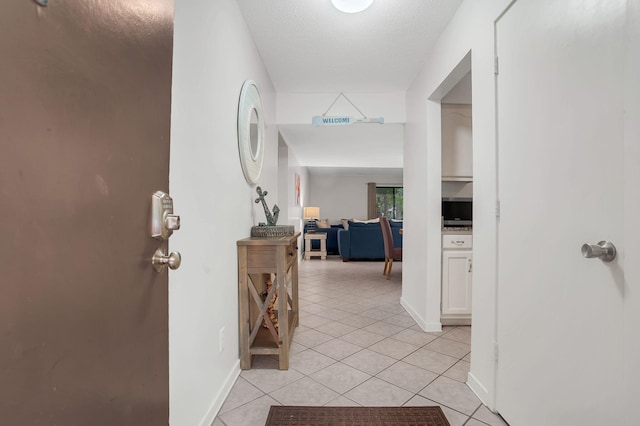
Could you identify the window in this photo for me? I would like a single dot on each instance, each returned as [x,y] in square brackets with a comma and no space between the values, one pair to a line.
[389,202]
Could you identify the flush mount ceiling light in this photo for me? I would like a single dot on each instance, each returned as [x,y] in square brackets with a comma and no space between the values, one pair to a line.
[351,6]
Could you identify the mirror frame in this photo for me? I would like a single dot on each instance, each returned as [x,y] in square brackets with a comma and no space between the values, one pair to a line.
[251,162]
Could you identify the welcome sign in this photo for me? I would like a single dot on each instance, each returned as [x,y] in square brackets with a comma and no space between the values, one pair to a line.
[321,120]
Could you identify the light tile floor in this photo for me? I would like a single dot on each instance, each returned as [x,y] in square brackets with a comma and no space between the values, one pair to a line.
[357,346]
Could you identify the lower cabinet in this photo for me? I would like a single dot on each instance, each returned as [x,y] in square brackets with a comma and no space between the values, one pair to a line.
[456,285]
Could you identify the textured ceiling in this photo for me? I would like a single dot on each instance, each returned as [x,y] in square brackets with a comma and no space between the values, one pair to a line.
[310,47]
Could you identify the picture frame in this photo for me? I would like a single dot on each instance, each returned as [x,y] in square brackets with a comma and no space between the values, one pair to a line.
[296,188]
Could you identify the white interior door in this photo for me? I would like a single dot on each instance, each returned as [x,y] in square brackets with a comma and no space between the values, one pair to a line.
[560,137]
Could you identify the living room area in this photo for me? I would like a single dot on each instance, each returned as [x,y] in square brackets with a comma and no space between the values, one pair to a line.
[353,200]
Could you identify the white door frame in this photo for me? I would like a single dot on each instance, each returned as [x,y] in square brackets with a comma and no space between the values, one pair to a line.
[434,196]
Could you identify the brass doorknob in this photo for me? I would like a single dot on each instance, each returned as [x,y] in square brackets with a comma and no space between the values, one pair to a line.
[160,260]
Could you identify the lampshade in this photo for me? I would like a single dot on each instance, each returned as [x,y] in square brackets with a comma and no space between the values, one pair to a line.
[311,212]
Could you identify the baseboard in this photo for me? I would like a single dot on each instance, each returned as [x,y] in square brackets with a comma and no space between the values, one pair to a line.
[425,326]
[429,327]
[407,307]
[217,402]
[433,327]
[455,320]
[481,392]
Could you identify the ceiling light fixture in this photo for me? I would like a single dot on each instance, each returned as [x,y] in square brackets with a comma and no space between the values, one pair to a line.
[351,6]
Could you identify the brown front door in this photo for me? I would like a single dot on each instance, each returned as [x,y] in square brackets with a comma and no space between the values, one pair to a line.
[85,97]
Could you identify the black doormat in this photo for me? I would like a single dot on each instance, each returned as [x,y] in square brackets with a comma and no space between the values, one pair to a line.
[283,415]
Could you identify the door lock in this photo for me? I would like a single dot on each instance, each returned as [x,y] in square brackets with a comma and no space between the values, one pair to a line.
[163,221]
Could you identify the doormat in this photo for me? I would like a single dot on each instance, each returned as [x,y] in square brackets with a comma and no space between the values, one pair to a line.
[283,415]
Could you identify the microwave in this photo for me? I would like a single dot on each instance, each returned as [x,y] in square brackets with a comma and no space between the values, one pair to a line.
[457,211]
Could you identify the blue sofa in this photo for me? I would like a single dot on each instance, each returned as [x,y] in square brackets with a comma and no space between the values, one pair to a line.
[332,237]
[364,240]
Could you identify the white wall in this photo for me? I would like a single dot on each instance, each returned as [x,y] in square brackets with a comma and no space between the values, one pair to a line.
[343,196]
[283,177]
[213,55]
[294,168]
[288,168]
[460,93]
[471,29]
[457,141]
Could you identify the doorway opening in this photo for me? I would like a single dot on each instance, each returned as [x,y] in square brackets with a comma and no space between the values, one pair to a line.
[450,152]
[457,204]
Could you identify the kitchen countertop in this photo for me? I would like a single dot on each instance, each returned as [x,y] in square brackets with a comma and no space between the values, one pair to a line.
[457,230]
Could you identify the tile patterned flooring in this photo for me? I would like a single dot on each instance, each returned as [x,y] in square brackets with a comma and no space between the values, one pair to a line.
[357,346]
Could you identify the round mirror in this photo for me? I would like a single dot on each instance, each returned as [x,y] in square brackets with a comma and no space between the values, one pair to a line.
[250,131]
[253,133]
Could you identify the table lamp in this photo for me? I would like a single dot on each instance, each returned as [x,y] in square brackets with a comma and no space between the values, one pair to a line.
[310,214]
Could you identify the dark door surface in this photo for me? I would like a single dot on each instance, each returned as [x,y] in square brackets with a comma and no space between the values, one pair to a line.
[85,97]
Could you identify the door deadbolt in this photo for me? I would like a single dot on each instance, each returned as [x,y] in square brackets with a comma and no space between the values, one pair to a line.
[163,221]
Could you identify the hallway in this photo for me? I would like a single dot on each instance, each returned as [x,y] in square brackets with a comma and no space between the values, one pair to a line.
[357,346]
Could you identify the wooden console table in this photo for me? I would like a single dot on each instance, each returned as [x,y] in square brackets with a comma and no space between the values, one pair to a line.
[262,261]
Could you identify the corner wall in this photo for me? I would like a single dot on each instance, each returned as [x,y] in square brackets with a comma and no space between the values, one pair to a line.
[471,30]
[213,55]
[290,208]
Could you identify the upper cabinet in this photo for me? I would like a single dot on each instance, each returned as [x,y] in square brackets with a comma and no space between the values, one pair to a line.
[457,152]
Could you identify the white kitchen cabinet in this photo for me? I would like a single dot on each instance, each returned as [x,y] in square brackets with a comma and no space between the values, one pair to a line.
[457,269]
[457,149]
